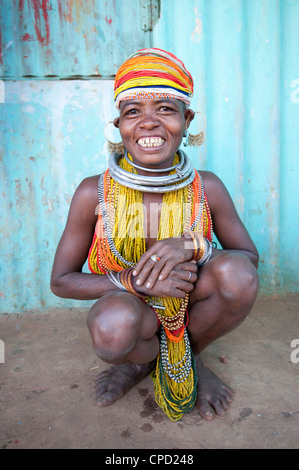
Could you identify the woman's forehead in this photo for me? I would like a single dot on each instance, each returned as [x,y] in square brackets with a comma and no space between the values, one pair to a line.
[152,102]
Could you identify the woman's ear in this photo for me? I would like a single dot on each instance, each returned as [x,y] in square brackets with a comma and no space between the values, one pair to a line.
[189,116]
[116,122]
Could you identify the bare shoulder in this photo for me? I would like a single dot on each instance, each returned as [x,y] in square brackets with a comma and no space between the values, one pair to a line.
[214,187]
[85,198]
[88,186]
[88,189]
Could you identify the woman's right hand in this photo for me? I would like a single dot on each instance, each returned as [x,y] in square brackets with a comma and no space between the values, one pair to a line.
[179,282]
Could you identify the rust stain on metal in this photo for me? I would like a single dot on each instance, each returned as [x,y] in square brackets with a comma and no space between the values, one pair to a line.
[76,10]
[27,37]
[41,19]
[19,194]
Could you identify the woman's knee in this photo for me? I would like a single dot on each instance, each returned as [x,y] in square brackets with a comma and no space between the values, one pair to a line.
[114,323]
[236,278]
[233,277]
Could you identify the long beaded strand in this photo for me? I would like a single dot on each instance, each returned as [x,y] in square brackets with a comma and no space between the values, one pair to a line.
[175,375]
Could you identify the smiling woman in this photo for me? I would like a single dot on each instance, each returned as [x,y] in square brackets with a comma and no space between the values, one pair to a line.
[163,291]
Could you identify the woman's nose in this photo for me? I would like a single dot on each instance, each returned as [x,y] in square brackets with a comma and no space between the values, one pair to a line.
[149,121]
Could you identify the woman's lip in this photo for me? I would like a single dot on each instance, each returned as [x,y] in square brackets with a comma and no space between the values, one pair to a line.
[151,137]
[150,142]
[151,148]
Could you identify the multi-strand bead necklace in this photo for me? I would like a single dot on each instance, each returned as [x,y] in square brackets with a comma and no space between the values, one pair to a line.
[118,245]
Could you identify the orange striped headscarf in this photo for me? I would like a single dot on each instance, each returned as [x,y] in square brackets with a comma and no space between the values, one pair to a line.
[153,73]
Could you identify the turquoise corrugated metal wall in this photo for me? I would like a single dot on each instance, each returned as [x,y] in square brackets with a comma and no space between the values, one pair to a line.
[51,129]
[68,38]
[244,57]
[51,139]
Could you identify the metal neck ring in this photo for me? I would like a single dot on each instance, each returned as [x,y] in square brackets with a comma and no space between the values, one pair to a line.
[151,170]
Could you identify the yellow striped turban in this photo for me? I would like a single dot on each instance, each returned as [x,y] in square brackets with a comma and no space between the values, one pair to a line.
[153,73]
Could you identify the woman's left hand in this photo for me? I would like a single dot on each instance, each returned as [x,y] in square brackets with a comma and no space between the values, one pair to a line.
[159,260]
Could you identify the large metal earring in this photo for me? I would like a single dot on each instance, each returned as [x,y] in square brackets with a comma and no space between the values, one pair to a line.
[195,140]
[117,147]
[185,138]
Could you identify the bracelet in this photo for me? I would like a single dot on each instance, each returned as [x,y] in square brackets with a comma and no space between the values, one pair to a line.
[202,247]
[198,244]
[125,278]
[115,279]
[207,253]
[197,248]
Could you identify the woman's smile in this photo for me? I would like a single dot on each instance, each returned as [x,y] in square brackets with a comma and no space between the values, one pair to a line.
[150,142]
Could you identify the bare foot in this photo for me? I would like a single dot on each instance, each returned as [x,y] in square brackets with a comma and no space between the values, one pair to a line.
[214,397]
[115,382]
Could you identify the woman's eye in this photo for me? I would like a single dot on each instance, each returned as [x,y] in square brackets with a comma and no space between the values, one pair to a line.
[131,111]
[166,109]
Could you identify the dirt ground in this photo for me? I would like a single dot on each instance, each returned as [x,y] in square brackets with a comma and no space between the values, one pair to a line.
[46,388]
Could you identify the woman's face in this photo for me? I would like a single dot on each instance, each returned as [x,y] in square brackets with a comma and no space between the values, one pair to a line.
[152,129]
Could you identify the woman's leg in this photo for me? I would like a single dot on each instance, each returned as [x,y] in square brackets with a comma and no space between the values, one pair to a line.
[123,331]
[222,298]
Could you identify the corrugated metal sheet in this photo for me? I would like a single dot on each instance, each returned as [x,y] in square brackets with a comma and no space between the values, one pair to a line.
[244,57]
[66,38]
[52,137]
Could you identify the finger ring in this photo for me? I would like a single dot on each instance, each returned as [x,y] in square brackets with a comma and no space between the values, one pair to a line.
[155,258]
[189,277]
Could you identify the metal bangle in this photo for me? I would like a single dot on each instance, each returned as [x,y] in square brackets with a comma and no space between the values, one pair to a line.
[207,253]
[115,280]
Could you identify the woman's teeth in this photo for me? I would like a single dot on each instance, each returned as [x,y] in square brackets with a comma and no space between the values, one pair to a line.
[150,141]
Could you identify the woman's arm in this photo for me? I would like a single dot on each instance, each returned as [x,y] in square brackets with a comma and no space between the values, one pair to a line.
[67,279]
[227,225]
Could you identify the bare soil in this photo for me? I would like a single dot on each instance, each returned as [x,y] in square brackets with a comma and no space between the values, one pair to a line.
[47,401]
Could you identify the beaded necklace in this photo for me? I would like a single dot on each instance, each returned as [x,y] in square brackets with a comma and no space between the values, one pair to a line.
[119,242]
